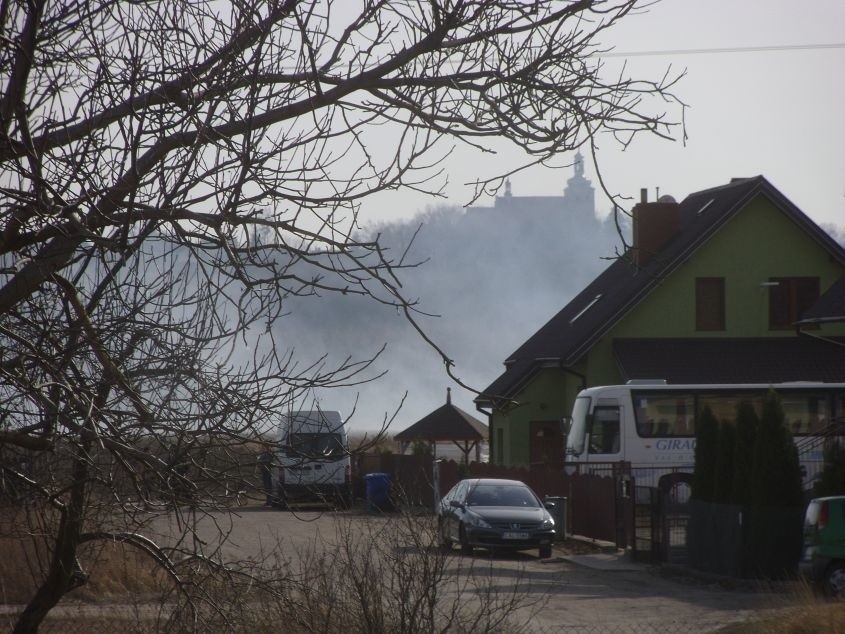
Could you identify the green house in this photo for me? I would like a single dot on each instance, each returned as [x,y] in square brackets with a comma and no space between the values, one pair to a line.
[711,290]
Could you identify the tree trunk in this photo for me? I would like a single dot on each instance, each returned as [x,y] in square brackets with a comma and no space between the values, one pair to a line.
[64,574]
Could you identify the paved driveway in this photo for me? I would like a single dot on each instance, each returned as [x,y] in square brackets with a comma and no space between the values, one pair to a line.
[592,594]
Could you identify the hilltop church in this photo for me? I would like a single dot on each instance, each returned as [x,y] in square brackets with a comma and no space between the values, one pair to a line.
[576,208]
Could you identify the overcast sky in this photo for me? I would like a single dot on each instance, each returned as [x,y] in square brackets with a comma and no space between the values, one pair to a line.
[778,112]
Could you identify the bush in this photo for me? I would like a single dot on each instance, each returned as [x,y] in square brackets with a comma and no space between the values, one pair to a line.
[773,537]
[724,472]
[372,575]
[776,474]
[747,423]
[706,452]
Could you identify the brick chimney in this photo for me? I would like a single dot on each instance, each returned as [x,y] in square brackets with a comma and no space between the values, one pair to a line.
[654,225]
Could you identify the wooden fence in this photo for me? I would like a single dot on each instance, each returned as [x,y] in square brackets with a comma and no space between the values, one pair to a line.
[592,507]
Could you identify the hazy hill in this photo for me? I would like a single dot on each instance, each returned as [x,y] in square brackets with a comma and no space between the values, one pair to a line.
[492,276]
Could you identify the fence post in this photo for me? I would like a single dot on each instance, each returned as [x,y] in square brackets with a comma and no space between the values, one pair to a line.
[435,478]
[622,485]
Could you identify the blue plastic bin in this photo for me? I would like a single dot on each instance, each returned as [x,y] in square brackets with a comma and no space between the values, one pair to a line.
[378,492]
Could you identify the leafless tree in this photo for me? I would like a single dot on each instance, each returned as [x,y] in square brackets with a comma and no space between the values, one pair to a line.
[172,172]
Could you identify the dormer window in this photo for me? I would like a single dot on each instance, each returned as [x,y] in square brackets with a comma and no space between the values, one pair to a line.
[586,308]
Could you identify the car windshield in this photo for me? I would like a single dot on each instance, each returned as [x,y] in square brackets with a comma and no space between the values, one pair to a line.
[316,446]
[501,495]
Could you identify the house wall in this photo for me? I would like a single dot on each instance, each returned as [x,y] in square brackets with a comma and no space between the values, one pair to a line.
[758,243]
[745,256]
[547,396]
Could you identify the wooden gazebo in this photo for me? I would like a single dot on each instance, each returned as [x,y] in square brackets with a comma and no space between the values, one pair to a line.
[447,423]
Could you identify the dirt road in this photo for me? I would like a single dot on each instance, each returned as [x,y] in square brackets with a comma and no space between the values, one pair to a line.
[600,596]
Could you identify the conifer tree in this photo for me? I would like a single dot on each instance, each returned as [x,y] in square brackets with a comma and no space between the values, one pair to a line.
[706,447]
[724,472]
[776,472]
[772,541]
[747,423]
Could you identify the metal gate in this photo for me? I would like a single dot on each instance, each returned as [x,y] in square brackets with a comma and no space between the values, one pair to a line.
[674,491]
[647,542]
[660,518]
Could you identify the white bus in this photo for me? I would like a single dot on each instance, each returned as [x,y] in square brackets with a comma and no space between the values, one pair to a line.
[652,424]
[314,461]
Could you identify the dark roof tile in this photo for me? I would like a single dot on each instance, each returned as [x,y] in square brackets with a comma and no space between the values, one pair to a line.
[829,307]
[447,422]
[731,360]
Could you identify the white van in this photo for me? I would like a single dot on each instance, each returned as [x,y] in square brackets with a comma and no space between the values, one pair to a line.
[314,462]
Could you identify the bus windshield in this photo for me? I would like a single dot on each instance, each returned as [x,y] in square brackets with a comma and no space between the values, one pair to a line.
[578,430]
[317,446]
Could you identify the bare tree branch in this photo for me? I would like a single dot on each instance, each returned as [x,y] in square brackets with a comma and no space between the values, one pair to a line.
[174,173]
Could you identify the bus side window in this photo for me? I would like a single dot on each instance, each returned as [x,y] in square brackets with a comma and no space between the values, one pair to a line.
[604,431]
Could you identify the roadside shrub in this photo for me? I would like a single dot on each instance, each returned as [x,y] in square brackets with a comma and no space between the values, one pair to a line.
[773,540]
[747,423]
[706,452]
[776,473]
[724,472]
[115,570]
[376,574]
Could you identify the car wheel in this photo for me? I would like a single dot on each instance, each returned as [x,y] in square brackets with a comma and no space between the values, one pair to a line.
[834,581]
[545,551]
[466,547]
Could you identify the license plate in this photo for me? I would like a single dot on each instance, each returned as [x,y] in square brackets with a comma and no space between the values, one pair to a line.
[515,535]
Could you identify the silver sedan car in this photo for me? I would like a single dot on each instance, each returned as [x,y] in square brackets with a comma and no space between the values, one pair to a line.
[496,515]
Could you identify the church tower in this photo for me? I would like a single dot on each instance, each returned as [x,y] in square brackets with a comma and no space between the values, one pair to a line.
[579,197]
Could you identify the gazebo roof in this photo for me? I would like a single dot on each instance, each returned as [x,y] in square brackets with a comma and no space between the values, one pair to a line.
[447,422]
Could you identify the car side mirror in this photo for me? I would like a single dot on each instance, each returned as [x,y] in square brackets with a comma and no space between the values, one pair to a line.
[455,504]
[550,505]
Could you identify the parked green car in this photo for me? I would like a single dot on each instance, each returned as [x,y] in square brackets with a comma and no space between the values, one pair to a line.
[823,561]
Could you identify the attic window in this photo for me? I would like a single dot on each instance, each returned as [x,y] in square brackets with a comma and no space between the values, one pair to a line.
[706,205]
[586,308]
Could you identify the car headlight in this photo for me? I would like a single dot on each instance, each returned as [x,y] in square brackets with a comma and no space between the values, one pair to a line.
[547,523]
[476,520]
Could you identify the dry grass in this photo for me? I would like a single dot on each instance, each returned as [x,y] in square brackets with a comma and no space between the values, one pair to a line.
[808,619]
[809,613]
[116,571]
[86,623]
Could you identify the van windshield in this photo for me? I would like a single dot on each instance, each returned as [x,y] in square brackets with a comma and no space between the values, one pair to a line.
[578,430]
[316,446]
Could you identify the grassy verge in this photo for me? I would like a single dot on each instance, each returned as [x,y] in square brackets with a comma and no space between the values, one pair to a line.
[809,614]
[117,572]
